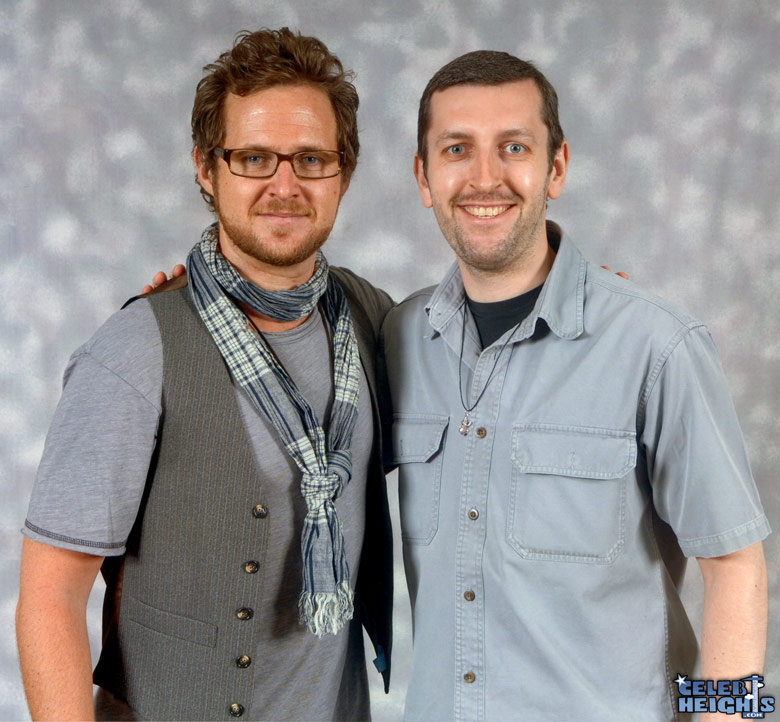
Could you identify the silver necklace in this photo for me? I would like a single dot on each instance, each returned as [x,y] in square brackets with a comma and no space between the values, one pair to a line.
[466,424]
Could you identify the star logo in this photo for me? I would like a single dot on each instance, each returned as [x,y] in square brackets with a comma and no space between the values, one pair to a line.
[683,684]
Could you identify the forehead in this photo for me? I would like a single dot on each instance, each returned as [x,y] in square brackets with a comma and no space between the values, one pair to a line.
[478,109]
[286,116]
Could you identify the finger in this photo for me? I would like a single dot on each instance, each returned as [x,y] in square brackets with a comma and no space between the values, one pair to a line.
[178,270]
[606,268]
[146,289]
[159,278]
[622,275]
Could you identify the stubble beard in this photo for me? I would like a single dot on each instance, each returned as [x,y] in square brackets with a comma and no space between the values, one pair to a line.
[511,251]
[271,252]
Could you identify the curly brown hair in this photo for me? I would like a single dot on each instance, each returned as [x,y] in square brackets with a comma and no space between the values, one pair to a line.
[267,58]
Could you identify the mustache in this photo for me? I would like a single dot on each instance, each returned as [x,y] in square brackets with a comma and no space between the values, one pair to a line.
[277,206]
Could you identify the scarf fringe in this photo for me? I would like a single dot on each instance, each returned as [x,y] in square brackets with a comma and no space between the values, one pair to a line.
[326,612]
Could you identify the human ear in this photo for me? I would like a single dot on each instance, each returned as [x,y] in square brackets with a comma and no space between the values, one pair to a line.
[558,172]
[204,173]
[344,186]
[422,181]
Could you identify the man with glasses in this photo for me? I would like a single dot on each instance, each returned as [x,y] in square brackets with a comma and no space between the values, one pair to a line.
[216,451]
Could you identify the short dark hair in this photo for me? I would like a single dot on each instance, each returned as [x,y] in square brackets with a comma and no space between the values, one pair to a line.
[490,67]
[264,59]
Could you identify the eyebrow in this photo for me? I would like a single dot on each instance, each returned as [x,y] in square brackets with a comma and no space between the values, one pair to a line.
[455,134]
[301,149]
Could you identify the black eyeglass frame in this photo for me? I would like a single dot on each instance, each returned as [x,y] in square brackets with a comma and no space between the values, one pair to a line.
[225,154]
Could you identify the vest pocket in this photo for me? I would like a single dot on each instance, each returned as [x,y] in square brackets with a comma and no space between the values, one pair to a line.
[417,445]
[168,623]
[568,492]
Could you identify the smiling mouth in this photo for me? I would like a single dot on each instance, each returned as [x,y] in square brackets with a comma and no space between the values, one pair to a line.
[486,211]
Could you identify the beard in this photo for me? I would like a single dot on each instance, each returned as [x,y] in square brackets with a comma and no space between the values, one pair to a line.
[271,248]
[518,245]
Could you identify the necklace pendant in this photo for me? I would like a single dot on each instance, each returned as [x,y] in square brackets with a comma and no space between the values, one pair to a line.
[465,425]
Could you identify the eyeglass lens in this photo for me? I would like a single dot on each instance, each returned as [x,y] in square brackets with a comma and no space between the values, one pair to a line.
[307,164]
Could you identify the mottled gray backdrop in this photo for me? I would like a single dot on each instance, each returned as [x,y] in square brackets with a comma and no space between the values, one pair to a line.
[670,108]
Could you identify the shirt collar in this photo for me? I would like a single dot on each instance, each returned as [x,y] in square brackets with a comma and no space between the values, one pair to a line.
[560,302]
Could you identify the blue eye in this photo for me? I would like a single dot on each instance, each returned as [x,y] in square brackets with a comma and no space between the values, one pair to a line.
[250,158]
[310,159]
[457,149]
[514,148]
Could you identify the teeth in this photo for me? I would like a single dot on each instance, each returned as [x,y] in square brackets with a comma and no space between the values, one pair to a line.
[484,211]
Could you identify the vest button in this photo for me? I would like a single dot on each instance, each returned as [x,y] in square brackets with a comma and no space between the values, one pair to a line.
[251,567]
[244,613]
[243,661]
[469,677]
[469,596]
[236,709]
[482,432]
[473,514]
[260,512]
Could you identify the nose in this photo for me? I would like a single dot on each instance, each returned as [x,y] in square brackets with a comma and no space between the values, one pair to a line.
[486,171]
[284,183]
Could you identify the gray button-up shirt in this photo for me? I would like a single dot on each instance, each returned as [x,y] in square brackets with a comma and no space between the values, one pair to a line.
[544,548]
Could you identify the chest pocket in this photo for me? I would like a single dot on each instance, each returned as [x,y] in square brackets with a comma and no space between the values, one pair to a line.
[418,440]
[568,492]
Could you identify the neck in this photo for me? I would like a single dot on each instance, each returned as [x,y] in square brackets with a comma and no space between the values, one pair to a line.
[266,324]
[267,275]
[271,278]
[491,286]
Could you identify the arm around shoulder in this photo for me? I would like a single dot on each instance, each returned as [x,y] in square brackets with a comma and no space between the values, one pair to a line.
[51,630]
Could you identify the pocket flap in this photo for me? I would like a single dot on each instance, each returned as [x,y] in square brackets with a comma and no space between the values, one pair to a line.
[579,451]
[418,437]
[170,624]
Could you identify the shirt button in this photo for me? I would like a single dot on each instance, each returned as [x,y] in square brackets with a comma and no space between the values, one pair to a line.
[236,709]
[469,596]
[473,514]
[469,677]
[259,512]
[251,567]
[243,661]
[482,432]
[244,613]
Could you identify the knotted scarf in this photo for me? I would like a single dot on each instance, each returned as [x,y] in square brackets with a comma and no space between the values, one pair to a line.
[326,601]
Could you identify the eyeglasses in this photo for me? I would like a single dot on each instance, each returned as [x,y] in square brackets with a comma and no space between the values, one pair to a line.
[250,163]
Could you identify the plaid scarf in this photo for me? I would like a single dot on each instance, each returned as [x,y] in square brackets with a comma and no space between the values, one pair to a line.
[326,601]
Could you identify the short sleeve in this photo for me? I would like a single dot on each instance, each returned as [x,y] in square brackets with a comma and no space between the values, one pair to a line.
[697,463]
[101,440]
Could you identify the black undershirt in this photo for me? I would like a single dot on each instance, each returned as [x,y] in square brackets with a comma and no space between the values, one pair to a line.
[496,318]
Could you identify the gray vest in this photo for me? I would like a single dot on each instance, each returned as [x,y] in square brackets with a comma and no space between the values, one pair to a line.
[201,518]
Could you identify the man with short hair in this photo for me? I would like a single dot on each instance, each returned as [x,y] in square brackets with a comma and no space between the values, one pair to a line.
[216,451]
[564,441]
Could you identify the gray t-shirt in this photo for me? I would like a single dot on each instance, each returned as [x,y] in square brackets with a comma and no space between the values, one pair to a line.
[94,468]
